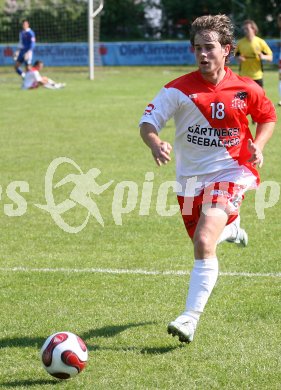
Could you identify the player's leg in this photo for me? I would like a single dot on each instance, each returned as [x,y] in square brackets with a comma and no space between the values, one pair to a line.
[18,68]
[205,271]
[51,84]
[18,63]
[220,206]
[233,233]
[48,83]
[28,60]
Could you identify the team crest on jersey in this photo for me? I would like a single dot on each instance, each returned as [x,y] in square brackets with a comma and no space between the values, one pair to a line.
[238,102]
[241,95]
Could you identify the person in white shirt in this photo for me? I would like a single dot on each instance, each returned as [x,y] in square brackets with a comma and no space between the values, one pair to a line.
[216,154]
[33,79]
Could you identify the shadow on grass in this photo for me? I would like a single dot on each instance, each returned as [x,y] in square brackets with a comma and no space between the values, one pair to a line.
[28,382]
[105,332]
[21,342]
[143,351]
[113,330]
[158,350]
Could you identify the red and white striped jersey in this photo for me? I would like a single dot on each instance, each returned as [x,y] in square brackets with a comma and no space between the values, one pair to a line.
[212,129]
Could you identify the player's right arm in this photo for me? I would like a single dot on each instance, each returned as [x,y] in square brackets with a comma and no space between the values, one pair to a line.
[155,116]
[160,149]
[238,54]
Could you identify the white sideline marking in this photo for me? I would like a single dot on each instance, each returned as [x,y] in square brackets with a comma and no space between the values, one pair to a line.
[134,272]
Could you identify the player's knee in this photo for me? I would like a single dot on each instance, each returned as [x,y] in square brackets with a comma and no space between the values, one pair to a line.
[203,245]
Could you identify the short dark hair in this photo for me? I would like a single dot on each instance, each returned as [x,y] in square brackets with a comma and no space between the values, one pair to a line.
[38,62]
[221,24]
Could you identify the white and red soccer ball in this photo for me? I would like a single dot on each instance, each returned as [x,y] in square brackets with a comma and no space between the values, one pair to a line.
[64,355]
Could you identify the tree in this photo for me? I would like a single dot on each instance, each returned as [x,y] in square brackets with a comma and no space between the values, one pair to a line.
[52,20]
[122,19]
[179,14]
[263,13]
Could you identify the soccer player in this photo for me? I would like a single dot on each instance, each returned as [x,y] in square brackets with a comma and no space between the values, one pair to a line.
[216,154]
[251,51]
[33,79]
[26,46]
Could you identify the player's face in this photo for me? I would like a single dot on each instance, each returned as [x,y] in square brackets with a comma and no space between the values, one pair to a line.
[210,54]
[249,30]
[25,25]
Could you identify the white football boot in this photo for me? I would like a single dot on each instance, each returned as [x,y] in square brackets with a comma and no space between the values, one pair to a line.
[183,327]
[241,235]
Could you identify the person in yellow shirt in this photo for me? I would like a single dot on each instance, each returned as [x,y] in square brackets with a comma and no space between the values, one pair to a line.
[251,51]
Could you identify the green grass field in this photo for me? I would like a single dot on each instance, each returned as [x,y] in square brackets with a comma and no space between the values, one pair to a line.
[52,280]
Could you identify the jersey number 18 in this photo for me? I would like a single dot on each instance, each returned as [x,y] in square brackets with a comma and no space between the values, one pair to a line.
[217,110]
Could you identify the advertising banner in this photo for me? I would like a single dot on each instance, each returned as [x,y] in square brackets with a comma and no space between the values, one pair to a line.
[116,54]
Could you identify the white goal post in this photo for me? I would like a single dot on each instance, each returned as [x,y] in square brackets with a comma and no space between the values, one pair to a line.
[91,15]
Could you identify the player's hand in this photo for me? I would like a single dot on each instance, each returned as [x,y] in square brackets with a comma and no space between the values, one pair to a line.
[242,58]
[16,54]
[262,56]
[257,156]
[161,152]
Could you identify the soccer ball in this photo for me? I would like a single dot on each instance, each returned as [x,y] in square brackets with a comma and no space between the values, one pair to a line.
[64,355]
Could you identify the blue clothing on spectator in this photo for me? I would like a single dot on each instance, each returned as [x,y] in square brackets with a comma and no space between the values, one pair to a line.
[27,42]
[27,39]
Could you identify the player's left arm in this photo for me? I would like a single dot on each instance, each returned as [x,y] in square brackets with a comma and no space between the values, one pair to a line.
[30,47]
[264,132]
[266,53]
[32,40]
